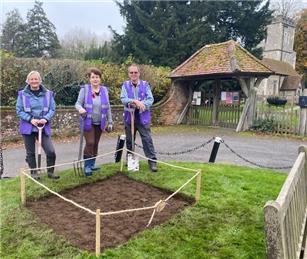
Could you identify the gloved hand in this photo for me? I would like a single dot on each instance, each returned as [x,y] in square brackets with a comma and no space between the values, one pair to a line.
[109,127]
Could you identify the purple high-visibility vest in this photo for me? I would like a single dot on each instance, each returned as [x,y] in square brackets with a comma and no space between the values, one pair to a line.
[25,127]
[88,105]
[145,115]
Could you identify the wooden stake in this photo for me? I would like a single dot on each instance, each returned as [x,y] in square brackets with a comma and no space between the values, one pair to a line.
[97,232]
[198,184]
[122,162]
[22,187]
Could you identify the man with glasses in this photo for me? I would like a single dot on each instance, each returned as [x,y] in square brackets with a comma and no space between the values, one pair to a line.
[136,94]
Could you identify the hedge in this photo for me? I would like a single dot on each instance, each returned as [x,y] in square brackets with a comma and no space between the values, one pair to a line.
[64,77]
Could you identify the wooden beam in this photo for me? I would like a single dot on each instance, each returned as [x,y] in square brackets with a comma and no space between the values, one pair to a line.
[216,99]
[243,85]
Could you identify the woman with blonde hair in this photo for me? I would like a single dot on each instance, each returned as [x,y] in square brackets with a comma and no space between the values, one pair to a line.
[35,108]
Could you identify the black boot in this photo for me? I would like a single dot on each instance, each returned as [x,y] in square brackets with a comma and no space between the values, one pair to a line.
[51,175]
[152,166]
[31,160]
[35,175]
[50,171]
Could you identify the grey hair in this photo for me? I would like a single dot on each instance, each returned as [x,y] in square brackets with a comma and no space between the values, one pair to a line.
[31,73]
[134,65]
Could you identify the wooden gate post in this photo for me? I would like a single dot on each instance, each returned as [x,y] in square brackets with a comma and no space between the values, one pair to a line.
[273,230]
[303,118]
[216,100]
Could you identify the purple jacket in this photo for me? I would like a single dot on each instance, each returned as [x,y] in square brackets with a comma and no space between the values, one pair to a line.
[29,106]
[145,116]
[88,106]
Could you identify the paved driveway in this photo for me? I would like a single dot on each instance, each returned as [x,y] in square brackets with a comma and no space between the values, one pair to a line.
[264,150]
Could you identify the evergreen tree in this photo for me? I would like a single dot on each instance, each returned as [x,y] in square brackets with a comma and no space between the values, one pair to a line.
[167,32]
[12,32]
[40,38]
[101,52]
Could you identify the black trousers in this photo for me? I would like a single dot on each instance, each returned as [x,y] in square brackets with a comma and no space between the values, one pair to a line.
[145,134]
[29,141]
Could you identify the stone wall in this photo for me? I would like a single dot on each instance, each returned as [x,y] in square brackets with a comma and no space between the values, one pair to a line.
[66,120]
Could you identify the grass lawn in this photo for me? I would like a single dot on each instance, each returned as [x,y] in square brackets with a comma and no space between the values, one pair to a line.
[226,223]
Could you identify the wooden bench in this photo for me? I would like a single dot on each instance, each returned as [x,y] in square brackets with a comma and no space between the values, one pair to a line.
[285,218]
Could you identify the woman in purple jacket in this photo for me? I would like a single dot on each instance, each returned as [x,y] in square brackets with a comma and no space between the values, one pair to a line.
[35,106]
[94,108]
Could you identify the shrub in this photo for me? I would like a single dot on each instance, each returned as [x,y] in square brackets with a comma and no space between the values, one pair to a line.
[64,77]
[264,125]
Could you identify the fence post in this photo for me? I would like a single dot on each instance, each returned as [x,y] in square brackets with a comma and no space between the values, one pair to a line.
[273,231]
[303,118]
[98,232]
[304,149]
[22,187]
[303,121]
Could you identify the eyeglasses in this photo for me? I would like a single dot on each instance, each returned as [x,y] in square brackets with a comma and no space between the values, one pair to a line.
[133,72]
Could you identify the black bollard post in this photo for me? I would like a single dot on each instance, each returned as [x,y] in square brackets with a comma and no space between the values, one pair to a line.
[215,149]
[120,144]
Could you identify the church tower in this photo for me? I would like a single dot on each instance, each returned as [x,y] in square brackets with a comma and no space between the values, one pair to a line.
[280,40]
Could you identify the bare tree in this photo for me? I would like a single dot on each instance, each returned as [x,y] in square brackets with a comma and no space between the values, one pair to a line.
[78,41]
[287,8]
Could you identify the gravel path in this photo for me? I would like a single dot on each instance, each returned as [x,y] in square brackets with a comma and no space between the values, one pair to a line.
[264,150]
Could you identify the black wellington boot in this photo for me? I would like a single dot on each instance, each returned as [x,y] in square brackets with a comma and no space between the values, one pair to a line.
[50,171]
[31,160]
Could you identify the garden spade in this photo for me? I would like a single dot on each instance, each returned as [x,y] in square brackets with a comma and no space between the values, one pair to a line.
[133,160]
[39,148]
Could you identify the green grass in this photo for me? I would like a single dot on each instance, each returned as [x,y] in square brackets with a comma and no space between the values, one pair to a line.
[226,223]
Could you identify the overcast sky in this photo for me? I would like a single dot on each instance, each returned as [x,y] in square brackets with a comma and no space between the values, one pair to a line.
[93,15]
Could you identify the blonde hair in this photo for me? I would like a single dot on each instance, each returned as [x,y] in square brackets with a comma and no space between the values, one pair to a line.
[31,73]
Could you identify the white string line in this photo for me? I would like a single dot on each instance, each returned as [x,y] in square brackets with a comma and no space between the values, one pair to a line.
[127,210]
[76,161]
[169,197]
[153,213]
[151,218]
[155,206]
[158,161]
[60,196]
[120,211]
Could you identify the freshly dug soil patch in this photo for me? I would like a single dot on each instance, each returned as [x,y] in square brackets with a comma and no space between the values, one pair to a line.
[115,193]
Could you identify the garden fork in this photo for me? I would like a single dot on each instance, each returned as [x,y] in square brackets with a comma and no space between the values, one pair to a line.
[78,165]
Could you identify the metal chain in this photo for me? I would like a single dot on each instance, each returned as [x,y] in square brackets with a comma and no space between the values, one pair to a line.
[253,163]
[181,152]
[1,162]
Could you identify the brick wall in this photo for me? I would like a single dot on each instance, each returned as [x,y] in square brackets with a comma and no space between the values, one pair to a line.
[174,105]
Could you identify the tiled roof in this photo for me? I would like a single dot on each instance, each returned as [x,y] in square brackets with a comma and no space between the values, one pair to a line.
[291,83]
[280,67]
[223,58]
